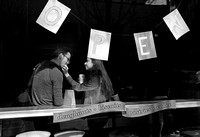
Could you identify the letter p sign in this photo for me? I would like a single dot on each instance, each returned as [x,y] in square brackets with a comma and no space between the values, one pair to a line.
[99,44]
[145,45]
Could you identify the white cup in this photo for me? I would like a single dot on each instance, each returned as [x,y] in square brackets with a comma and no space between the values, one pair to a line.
[81,78]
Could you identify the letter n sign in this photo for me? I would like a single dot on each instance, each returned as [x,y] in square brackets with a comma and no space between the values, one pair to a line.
[145,45]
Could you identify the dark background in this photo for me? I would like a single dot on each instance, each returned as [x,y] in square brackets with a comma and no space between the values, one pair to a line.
[24,43]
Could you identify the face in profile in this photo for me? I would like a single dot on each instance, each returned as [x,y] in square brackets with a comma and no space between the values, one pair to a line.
[88,64]
[65,59]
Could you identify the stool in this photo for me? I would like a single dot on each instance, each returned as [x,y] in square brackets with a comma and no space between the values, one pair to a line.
[34,134]
[73,133]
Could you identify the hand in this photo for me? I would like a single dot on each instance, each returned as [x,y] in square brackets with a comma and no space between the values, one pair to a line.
[65,69]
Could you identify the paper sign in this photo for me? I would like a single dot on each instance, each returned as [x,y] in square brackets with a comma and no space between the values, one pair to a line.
[112,106]
[53,15]
[145,45]
[133,111]
[99,44]
[176,24]
[156,2]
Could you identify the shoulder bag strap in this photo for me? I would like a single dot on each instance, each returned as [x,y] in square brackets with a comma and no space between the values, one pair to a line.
[33,73]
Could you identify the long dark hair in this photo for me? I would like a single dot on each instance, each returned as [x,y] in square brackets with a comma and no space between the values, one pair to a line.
[99,70]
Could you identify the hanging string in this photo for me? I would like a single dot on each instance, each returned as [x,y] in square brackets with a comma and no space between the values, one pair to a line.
[157,25]
[80,19]
[124,34]
[91,27]
[179,4]
[162,20]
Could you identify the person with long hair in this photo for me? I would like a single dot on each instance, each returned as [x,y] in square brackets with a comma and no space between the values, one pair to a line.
[98,88]
[97,84]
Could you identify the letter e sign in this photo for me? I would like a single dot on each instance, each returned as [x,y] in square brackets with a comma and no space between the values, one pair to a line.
[145,45]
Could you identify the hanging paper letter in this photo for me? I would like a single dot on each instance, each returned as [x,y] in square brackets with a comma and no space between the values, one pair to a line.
[53,15]
[176,24]
[145,45]
[156,2]
[99,44]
